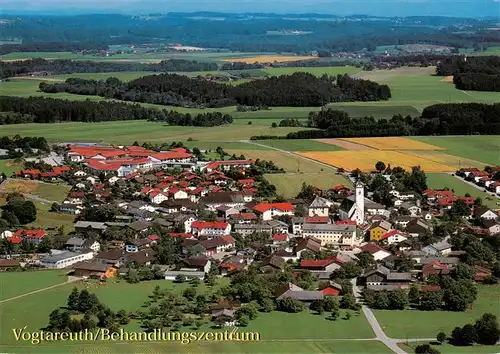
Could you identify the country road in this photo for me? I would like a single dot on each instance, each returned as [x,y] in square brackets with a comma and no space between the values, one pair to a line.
[289,153]
[475,186]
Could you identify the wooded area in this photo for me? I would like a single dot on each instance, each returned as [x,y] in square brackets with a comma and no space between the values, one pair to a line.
[48,110]
[63,66]
[297,90]
[472,73]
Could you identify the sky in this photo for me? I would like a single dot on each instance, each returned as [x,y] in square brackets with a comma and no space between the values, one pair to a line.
[456,8]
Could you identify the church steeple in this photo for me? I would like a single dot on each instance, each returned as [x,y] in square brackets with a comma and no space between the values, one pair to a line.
[360,202]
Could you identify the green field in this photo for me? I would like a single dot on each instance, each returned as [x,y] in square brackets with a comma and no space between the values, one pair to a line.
[18,283]
[427,324]
[278,331]
[47,219]
[442,180]
[299,145]
[289,185]
[446,348]
[9,166]
[319,71]
[475,147]
[126,132]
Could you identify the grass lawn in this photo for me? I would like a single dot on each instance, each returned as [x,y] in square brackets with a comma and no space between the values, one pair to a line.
[427,324]
[126,132]
[442,180]
[18,283]
[9,166]
[212,145]
[300,145]
[289,185]
[451,349]
[51,220]
[289,162]
[50,191]
[484,148]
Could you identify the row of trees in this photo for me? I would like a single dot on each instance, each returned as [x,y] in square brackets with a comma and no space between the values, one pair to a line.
[51,47]
[298,89]
[439,119]
[25,143]
[65,66]
[48,110]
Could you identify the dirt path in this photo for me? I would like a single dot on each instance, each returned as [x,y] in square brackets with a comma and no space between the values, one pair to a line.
[70,280]
[290,153]
[344,144]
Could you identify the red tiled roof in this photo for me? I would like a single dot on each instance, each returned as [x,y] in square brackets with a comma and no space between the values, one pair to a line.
[200,225]
[280,237]
[183,235]
[330,291]
[153,237]
[30,233]
[392,233]
[371,248]
[31,172]
[113,153]
[61,169]
[243,216]
[430,288]
[345,222]
[16,240]
[246,181]
[338,187]
[171,155]
[262,207]
[436,193]
[316,263]
[317,219]
[50,174]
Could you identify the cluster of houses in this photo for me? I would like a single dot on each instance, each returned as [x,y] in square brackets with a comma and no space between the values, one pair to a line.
[483,179]
[347,222]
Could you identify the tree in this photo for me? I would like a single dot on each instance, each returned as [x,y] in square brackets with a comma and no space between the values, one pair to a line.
[274,125]
[463,271]
[348,270]
[54,320]
[267,305]
[459,209]
[487,329]
[290,305]
[468,334]
[330,303]
[335,313]
[180,278]
[441,337]
[73,299]
[414,295]
[431,300]
[347,315]
[381,300]
[380,166]
[189,293]
[243,321]
[398,299]
[426,349]
[348,301]
[365,259]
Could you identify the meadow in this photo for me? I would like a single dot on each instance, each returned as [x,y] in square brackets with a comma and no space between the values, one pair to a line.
[49,220]
[298,145]
[446,348]
[484,148]
[9,166]
[444,180]
[50,191]
[278,331]
[427,324]
[18,283]
[288,185]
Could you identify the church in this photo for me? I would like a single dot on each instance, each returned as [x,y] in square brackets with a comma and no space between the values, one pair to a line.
[356,207]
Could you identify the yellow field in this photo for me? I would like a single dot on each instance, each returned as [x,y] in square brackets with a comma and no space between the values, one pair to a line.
[366,160]
[269,59]
[446,159]
[393,143]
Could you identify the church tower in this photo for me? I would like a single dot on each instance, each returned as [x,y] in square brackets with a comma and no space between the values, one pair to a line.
[360,203]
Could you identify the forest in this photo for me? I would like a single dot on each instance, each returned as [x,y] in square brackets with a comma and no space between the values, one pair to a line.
[51,47]
[472,73]
[48,110]
[439,119]
[245,33]
[64,66]
[297,90]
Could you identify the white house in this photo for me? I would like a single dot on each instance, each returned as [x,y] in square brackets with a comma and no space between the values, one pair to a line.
[75,244]
[270,210]
[332,234]
[64,259]
[210,229]
[377,252]
[177,193]
[319,207]
[157,197]
[394,236]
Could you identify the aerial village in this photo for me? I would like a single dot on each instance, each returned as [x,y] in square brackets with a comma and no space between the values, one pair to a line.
[186,218]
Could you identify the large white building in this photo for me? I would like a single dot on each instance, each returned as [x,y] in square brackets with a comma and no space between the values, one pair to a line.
[332,234]
[64,259]
[354,209]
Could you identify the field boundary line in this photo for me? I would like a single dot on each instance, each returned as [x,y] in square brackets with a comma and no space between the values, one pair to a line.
[39,290]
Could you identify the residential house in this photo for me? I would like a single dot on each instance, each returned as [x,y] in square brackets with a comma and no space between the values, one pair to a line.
[481,273]
[210,229]
[379,229]
[440,248]
[434,268]
[272,264]
[248,229]
[268,211]
[394,236]
[93,270]
[413,209]
[280,239]
[186,273]
[82,226]
[319,207]
[243,218]
[482,212]
[34,236]
[213,246]
[292,291]
[325,266]
[377,252]
[417,227]
[198,263]
[307,244]
[157,197]
[77,243]
[332,289]
[113,257]
[382,275]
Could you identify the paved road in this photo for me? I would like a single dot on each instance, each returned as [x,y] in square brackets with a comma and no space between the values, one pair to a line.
[288,152]
[477,187]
